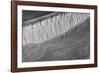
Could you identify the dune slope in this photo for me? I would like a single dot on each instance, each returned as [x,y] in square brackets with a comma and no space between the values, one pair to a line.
[73,45]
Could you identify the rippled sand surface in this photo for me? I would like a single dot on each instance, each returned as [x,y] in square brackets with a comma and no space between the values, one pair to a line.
[73,45]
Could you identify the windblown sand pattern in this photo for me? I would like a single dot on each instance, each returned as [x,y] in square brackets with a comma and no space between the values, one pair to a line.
[56,36]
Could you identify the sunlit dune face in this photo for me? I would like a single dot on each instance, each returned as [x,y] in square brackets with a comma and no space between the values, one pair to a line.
[52,25]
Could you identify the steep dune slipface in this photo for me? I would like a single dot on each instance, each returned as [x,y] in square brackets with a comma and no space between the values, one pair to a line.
[72,45]
[52,25]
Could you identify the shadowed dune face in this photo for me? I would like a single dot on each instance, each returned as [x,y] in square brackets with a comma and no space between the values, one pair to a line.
[72,45]
[28,15]
[51,25]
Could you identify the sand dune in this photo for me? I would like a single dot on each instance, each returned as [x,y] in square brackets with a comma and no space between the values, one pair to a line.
[51,25]
[73,45]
